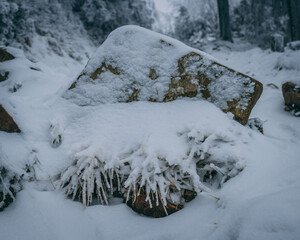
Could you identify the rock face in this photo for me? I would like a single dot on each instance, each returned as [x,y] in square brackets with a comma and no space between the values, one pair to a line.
[139,204]
[4,76]
[230,90]
[7,123]
[291,95]
[157,209]
[4,56]
[135,64]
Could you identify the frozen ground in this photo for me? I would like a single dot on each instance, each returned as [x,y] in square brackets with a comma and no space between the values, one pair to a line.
[262,202]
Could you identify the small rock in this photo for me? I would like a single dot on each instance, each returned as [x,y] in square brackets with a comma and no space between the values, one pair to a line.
[291,95]
[294,45]
[189,195]
[56,134]
[10,184]
[7,123]
[5,56]
[256,124]
[140,205]
[4,76]
[15,87]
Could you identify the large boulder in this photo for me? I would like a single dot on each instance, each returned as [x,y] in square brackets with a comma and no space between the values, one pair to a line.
[7,123]
[291,95]
[135,64]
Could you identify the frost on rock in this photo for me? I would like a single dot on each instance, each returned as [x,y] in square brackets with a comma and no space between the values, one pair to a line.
[56,133]
[137,64]
[10,184]
[291,95]
[149,182]
[15,69]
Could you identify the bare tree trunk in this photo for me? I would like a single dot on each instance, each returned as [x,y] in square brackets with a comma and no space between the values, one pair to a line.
[224,20]
[294,14]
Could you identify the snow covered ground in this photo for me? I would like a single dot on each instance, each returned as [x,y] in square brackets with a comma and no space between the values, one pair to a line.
[261,202]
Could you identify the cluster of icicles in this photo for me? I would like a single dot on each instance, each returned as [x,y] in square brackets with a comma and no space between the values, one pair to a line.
[91,178]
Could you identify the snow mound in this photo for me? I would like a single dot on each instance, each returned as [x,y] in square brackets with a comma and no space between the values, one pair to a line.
[137,64]
[153,147]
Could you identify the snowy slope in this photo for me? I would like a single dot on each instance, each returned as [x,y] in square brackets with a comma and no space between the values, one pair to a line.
[261,202]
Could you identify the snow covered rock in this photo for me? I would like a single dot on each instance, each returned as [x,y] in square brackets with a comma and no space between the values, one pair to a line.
[4,56]
[277,43]
[256,124]
[56,133]
[151,155]
[7,123]
[141,205]
[9,186]
[291,95]
[16,68]
[295,45]
[135,64]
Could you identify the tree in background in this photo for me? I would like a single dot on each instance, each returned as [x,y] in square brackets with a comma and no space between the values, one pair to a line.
[100,17]
[195,21]
[224,20]
[257,21]
[294,14]
[64,26]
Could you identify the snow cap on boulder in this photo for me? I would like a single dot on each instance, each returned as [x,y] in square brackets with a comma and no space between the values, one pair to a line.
[137,64]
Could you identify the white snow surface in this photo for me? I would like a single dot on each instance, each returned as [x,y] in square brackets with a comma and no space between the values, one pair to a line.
[261,202]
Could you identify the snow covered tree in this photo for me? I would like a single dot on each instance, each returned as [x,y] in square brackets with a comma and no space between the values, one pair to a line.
[194,21]
[75,21]
[100,17]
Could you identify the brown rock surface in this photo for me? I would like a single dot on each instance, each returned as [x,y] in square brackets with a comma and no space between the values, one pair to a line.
[191,84]
[7,123]
[4,76]
[186,87]
[159,69]
[140,205]
[5,56]
[291,93]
